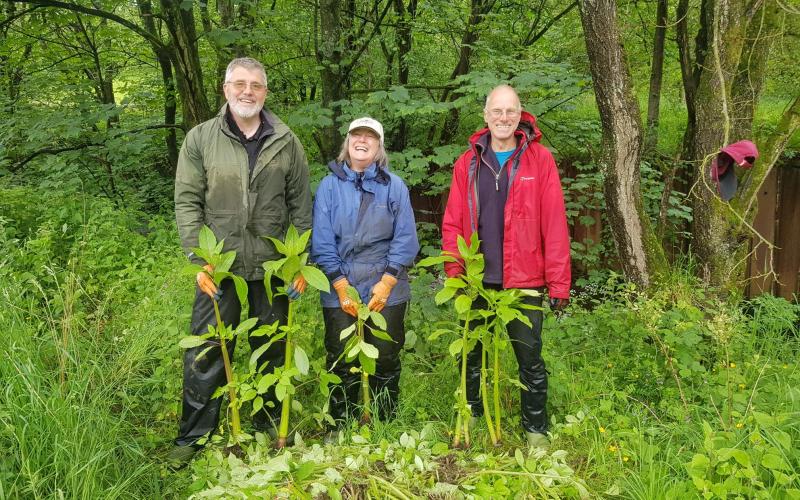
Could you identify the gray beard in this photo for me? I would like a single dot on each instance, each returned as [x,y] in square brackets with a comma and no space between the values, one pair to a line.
[243,111]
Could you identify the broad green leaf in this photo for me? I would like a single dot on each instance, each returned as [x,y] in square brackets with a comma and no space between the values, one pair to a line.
[347,331]
[265,330]
[353,294]
[316,278]
[241,289]
[225,261]
[438,333]
[363,312]
[279,245]
[454,283]
[253,364]
[265,382]
[455,347]
[303,241]
[369,349]
[367,363]
[280,391]
[203,352]
[353,352]
[774,462]
[463,248]
[435,260]
[378,319]
[382,335]
[301,360]
[290,268]
[246,325]
[463,304]
[258,403]
[191,341]
[444,295]
[207,240]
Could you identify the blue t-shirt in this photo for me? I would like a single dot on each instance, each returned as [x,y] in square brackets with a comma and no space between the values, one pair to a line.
[502,157]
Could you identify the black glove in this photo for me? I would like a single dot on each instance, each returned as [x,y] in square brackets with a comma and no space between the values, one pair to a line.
[558,305]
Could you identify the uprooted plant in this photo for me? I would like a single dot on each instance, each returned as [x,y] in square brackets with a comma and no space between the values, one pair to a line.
[502,307]
[293,263]
[218,336]
[358,347]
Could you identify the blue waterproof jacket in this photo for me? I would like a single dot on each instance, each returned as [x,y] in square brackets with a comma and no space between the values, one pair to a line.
[363,227]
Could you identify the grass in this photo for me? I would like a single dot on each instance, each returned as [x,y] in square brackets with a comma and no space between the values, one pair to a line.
[109,310]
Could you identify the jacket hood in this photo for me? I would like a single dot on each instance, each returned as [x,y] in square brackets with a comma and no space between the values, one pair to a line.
[526,130]
[338,170]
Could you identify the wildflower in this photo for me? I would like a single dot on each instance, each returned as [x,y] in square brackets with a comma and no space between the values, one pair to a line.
[612,448]
[733,365]
[625,458]
[610,365]
[602,430]
[739,425]
[741,386]
[785,366]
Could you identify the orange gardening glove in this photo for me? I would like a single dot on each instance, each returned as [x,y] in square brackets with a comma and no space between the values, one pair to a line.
[298,286]
[380,292]
[347,303]
[206,284]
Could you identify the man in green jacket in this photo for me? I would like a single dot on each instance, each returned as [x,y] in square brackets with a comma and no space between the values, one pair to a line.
[245,175]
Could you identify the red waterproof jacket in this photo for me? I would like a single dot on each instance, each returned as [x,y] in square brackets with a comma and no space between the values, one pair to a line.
[536,240]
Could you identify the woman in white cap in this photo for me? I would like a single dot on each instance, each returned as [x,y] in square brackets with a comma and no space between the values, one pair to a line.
[364,235]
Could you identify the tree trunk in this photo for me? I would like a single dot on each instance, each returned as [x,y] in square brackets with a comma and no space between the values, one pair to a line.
[170,101]
[330,58]
[478,11]
[656,72]
[640,254]
[405,15]
[719,238]
[186,59]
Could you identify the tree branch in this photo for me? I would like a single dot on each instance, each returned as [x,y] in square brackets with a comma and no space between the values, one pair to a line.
[96,12]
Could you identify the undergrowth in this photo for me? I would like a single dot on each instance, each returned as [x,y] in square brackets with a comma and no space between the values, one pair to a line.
[671,394]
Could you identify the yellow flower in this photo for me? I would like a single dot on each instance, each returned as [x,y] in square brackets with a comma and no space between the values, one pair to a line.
[612,448]
[625,459]
[741,386]
[733,365]
[610,365]
[785,366]
[739,425]
[602,429]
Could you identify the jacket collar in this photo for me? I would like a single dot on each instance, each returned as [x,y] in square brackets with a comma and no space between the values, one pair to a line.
[373,172]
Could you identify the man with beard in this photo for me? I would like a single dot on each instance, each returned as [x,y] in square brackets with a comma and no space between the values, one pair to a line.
[243,174]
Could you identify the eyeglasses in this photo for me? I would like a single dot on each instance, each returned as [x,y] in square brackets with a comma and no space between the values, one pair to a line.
[497,113]
[241,85]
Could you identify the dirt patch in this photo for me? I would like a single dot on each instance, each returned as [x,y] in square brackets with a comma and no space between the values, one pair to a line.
[449,471]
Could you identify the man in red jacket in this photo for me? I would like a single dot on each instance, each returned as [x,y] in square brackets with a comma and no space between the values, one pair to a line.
[506,188]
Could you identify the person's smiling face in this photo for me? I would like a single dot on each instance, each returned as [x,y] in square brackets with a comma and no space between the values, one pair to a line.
[245,92]
[363,145]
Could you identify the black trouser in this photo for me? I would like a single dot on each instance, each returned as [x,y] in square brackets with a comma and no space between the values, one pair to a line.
[527,344]
[384,384]
[202,377]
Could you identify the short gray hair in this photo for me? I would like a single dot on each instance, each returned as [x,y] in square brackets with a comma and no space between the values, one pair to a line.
[247,63]
[503,86]
[381,157]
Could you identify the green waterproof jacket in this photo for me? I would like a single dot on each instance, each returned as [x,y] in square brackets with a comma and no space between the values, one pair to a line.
[213,187]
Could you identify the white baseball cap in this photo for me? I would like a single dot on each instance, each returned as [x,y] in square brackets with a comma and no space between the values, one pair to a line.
[367,122]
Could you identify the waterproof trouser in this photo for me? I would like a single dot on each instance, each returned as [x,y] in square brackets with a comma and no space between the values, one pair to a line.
[527,344]
[202,376]
[345,398]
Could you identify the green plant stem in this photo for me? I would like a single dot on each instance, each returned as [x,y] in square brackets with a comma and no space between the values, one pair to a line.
[496,375]
[463,405]
[236,425]
[366,414]
[283,429]
[485,396]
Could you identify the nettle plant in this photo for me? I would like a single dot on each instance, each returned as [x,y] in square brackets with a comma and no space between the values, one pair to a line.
[220,334]
[502,307]
[296,364]
[358,348]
